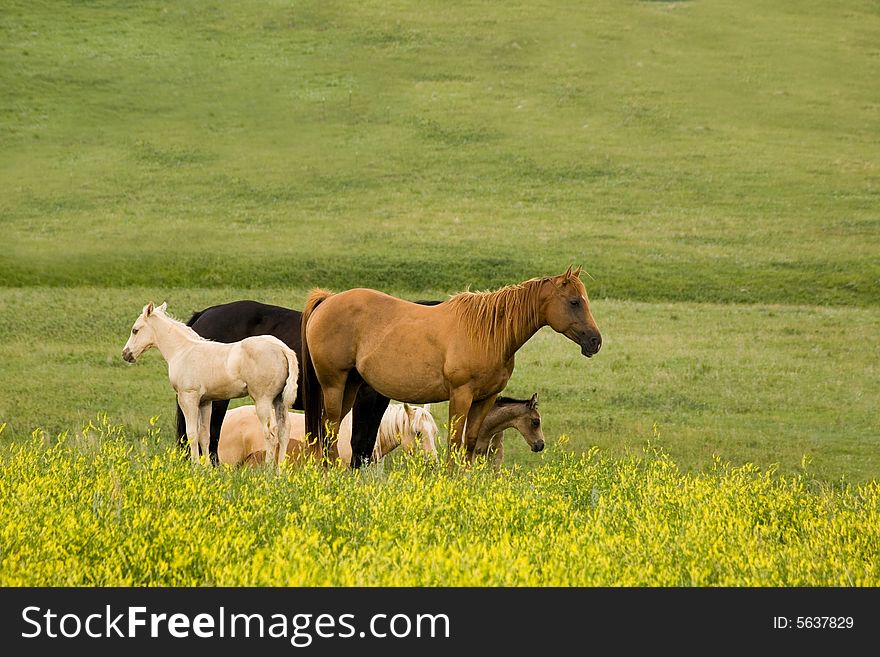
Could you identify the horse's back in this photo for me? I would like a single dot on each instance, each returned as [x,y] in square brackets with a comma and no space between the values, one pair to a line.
[261,356]
[237,320]
[242,437]
[362,300]
[370,331]
[257,344]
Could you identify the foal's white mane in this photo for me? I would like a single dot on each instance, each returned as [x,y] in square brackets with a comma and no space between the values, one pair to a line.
[176,323]
[396,423]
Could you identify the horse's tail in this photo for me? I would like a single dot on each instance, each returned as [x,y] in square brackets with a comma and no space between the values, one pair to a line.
[288,394]
[312,395]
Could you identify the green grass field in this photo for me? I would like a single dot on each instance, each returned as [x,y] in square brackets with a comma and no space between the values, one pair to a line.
[715,166]
[758,383]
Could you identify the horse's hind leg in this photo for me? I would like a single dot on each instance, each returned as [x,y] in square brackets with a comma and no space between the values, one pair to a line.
[189,405]
[352,385]
[266,415]
[205,429]
[338,399]
[282,428]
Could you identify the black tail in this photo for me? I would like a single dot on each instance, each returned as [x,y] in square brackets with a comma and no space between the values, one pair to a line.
[312,395]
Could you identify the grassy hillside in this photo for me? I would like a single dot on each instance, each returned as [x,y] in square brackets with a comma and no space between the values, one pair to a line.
[680,150]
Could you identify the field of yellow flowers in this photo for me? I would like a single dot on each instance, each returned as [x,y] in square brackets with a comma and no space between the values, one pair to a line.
[104,508]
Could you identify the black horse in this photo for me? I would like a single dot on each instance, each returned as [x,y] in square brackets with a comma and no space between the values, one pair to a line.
[231,322]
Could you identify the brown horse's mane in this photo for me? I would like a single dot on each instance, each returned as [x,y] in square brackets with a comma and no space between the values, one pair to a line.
[510,401]
[501,319]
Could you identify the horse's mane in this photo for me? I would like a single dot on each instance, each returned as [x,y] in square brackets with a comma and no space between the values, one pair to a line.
[396,423]
[504,401]
[185,328]
[497,319]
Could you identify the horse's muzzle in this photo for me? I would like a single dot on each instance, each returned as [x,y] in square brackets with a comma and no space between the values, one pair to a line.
[127,356]
[538,447]
[591,344]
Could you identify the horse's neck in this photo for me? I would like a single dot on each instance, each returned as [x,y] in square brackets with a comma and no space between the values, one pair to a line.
[499,419]
[527,326]
[170,338]
[387,439]
[384,444]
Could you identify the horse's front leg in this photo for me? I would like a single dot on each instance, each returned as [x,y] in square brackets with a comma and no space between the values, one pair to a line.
[205,430]
[189,406]
[460,400]
[479,411]
[496,447]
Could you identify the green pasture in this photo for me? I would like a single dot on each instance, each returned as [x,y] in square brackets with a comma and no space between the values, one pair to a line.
[715,166]
[759,383]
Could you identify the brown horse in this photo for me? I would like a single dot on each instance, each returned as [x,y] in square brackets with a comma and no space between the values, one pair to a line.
[461,350]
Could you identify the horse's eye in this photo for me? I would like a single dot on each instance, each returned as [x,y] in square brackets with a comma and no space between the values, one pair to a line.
[536,423]
[134,331]
[575,303]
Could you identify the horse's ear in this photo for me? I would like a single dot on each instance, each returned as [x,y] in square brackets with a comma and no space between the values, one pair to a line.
[408,410]
[563,279]
[533,402]
[427,407]
[577,272]
[163,307]
[148,309]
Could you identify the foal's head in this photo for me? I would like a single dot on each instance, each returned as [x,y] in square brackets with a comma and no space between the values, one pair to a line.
[567,311]
[142,335]
[412,427]
[422,429]
[527,420]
